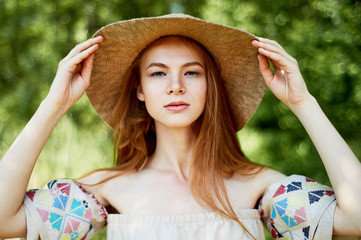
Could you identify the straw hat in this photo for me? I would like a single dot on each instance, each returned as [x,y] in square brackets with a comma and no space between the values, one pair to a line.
[230,47]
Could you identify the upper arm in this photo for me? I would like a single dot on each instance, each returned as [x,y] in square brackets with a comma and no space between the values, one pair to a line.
[63,209]
[299,206]
[14,227]
[347,224]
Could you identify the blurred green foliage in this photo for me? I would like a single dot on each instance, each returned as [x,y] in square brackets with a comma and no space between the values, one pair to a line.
[323,35]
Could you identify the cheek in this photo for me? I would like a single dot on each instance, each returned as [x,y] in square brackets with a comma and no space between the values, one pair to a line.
[151,91]
[152,96]
[202,92]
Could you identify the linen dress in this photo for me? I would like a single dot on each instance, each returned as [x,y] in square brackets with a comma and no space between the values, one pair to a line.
[294,208]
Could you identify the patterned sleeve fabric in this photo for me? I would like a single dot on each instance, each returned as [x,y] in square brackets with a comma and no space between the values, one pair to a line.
[298,208]
[63,210]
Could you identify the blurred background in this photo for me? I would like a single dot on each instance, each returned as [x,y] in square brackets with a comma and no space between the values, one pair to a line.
[323,35]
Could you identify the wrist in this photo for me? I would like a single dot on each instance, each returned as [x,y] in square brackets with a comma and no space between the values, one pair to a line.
[55,111]
[304,107]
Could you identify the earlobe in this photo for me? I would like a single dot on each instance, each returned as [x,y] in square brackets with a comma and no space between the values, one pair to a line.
[140,94]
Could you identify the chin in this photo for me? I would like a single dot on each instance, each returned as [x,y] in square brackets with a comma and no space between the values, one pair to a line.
[177,125]
[180,123]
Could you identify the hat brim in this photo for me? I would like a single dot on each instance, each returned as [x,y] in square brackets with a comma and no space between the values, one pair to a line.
[230,47]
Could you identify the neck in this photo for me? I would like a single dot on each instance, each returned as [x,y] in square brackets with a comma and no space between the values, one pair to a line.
[173,150]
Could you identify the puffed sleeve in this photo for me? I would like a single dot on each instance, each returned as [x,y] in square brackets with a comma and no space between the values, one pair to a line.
[298,207]
[63,210]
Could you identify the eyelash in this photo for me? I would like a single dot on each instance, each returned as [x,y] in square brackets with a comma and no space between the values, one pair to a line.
[159,74]
[191,73]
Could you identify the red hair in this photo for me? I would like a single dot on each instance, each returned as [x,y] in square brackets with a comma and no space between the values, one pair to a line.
[216,155]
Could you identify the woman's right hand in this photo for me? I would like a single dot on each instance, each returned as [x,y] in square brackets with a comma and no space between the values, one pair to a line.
[70,83]
[73,75]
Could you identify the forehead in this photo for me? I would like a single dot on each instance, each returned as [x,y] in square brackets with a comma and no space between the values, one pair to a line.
[172,47]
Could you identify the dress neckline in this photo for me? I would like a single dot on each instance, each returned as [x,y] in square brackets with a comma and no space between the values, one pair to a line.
[183,218]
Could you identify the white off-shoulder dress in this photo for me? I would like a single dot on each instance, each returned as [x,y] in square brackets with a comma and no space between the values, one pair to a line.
[293,208]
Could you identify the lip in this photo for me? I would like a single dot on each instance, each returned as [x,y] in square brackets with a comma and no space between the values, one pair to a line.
[177,106]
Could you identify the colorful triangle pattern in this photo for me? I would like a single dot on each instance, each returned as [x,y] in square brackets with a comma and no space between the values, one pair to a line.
[59,209]
[31,194]
[294,186]
[281,190]
[294,204]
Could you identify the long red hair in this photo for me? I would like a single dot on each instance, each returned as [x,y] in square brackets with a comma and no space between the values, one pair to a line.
[216,155]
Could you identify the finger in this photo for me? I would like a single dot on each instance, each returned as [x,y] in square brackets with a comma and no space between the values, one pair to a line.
[279,61]
[87,68]
[77,59]
[265,69]
[84,45]
[271,47]
[276,48]
[269,41]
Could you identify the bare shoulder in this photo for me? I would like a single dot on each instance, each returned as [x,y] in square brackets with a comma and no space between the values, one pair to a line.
[246,190]
[94,183]
[107,184]
[268,176]
[94,177]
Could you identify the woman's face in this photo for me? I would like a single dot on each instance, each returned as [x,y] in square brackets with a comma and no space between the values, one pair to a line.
[173,82]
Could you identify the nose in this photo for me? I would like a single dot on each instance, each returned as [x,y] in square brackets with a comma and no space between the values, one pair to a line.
[176,86]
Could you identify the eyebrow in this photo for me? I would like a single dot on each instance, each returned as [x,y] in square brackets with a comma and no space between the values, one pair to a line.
[162,65]
[157,65]
[192,64]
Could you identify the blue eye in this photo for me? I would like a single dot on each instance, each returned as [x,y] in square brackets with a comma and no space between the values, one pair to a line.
[158,74]
[192,74]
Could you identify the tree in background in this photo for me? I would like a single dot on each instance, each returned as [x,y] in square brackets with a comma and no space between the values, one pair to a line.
[324,36]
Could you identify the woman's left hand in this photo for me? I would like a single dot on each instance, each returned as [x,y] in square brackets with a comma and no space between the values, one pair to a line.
[342,166]
[286,82]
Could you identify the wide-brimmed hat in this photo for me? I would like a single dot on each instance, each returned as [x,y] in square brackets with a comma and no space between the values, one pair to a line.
[231,48]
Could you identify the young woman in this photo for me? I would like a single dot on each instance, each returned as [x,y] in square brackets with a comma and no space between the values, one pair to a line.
[176,89]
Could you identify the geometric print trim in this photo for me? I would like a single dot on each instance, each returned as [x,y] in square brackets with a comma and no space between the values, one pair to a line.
[66,210]
[295,205]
